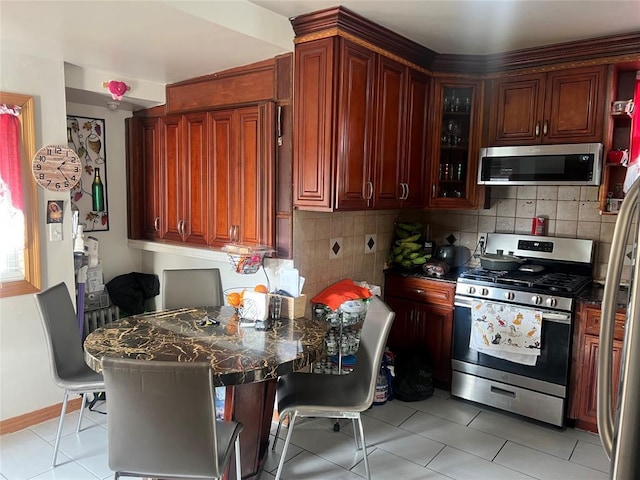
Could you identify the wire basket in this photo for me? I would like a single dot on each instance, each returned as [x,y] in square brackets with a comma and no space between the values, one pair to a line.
[245,263]
[246,260]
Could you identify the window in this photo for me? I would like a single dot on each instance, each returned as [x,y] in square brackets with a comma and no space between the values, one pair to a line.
[20,245]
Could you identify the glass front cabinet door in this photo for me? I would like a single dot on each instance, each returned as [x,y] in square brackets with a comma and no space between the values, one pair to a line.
[455,144]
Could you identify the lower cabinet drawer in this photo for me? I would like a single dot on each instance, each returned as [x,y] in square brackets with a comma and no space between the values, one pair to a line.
[420,290]
[592,325]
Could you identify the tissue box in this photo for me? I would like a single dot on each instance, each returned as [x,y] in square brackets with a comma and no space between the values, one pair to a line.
[293,307]
[255,306]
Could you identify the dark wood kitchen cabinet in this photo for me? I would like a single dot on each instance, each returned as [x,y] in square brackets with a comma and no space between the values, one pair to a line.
[562,106]
[194,176]
[584,405]
[361,128]
[241,175]
[455,143]
[146,202]
[185,158]
[424,320]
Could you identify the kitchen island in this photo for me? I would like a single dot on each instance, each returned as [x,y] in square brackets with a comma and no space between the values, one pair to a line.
[245,360]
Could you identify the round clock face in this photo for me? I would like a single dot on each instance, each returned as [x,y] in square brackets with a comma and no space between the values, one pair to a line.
[56,168]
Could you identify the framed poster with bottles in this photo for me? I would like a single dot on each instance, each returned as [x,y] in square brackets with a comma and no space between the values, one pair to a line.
[86,136]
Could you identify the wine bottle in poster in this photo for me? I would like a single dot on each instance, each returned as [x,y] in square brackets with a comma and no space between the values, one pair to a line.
[97,191]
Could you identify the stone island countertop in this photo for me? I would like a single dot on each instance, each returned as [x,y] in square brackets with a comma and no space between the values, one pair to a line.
[238,354]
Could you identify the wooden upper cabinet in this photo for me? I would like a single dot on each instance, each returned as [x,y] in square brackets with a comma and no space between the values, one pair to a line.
[313,120]
[415,154]
[242,173]
[455,143]
[389,152]
[151,171]
[185,188]
[195,185]
[172,187]
[356,114]
[563,106]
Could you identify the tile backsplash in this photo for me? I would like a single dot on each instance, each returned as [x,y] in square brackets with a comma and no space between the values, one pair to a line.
[331,246]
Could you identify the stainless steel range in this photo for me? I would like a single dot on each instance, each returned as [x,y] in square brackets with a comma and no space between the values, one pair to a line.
[496,360]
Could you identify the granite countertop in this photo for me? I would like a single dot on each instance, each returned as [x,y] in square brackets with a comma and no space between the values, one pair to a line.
[593,295]
[450,277]
[238,354]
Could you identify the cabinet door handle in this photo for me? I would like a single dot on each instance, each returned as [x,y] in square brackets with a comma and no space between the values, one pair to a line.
[156,224]
[370,196]
[406,194]
[545,128]
[537,129]
[433,191]
[419,292]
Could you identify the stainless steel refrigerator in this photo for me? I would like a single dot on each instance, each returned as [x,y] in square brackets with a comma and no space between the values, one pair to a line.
[620,429]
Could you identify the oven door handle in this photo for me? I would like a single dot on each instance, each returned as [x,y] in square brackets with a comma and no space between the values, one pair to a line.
[557,317]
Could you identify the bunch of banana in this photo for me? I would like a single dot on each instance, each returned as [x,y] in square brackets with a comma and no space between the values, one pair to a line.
[406,250]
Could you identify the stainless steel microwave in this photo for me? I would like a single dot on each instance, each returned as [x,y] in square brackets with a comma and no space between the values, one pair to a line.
[570,164]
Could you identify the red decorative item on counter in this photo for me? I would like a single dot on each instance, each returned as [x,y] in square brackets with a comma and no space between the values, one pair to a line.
[539,226]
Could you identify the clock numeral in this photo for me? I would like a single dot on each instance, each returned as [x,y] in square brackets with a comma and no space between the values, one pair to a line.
[76,170]
[73,178]
[48,182]
[57,185]
[38,166]
[41,176]
[66,185]
[57,150]
[43,158]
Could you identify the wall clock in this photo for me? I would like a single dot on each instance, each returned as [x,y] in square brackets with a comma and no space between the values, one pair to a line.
[56,168]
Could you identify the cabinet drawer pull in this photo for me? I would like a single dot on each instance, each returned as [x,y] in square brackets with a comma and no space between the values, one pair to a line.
[501,391]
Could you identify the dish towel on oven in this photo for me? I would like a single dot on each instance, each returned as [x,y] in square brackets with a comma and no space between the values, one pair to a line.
[506,331]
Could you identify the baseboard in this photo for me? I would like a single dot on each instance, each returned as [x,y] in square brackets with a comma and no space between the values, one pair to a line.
[27,420]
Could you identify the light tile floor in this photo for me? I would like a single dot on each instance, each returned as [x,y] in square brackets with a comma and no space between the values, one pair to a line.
[436,439]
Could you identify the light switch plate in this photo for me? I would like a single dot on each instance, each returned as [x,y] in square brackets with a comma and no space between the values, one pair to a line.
[55,232]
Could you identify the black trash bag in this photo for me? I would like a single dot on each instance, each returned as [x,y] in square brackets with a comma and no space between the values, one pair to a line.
[413,375]
[129,291]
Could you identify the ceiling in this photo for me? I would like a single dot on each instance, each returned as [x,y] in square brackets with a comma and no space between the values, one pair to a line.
[167,41]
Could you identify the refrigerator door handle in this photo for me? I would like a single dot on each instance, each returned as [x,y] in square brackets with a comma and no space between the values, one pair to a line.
[608,310]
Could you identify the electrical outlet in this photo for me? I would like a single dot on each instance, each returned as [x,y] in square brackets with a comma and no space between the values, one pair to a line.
[55,232]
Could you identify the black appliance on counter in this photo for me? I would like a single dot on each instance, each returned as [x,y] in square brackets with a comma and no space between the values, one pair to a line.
[554,272]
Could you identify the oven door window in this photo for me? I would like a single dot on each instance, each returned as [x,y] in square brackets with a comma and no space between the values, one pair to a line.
[551,366]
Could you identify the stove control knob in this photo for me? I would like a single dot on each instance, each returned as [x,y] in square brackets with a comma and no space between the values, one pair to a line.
[551,302]
[471,290]
[484,292]
[536,299]
[509,295]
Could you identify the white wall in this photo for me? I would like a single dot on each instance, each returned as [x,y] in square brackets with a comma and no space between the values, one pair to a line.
[25,379]
[117,258]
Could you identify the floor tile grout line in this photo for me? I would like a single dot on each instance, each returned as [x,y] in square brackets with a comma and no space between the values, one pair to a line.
[498,452]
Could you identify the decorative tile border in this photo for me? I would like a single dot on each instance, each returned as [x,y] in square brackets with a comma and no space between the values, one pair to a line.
[370,243]
[336,247]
